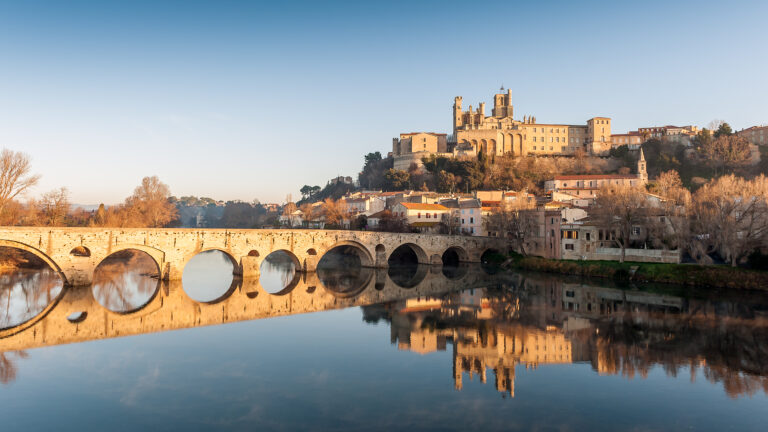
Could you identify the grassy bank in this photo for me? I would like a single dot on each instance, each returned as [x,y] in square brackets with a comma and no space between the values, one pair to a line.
[684,274]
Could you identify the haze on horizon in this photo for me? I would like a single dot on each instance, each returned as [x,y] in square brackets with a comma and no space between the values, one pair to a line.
[237,100]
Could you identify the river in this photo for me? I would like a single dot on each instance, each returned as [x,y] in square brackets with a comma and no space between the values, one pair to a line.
[348,348]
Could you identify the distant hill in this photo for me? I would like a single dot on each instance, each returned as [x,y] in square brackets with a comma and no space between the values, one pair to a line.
[87,207]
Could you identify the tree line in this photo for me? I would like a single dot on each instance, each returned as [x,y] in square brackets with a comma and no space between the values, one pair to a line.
[724,220]
[148,206]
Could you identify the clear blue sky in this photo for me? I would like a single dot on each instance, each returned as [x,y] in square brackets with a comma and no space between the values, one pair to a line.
[243,100]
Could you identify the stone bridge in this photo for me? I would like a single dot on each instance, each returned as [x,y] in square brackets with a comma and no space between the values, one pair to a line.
[76,252]
[76,316]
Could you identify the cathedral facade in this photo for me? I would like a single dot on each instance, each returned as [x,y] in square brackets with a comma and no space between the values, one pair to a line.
[501,134]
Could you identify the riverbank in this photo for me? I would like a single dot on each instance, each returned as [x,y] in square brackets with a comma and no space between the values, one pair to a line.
[682,274]
[14,259]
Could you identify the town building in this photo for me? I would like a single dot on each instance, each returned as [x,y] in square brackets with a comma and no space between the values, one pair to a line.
[424,217]
[545,240]
[465,216]
[586,239]
[633,140]
[365,205]
[674,134]
[587,185]
[411,147]
[757,135]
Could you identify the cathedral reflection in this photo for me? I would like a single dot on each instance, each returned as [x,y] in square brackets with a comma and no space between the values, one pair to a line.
[534,321]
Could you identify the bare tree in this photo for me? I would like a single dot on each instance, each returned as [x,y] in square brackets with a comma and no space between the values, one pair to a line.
[149,205]
[666,183]
[515,221]
[731,216]
[619,208]
[726,151]
[335,211]
[15,177]
[53,207]
[289,208]
[670,222]
[714,124]
[306,212]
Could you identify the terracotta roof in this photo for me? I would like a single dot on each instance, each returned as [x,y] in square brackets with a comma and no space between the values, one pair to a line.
[420,206]
[378,215]
[596,177]
[428,133]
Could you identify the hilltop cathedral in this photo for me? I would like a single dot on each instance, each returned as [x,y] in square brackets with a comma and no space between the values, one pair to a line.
[500,134]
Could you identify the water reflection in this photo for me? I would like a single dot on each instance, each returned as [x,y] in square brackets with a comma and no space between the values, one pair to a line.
[25,293]
[541,320]
[341,271]
[8,368]
[125,281]
[208,276]
[278,273]
[492,324]
[455,270]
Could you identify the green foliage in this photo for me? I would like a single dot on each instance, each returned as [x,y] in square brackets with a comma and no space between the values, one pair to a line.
[333,191]
[702,139]
[396,180]
[372,175]
[619,152]
[723,130]
[307,191]
[467,174]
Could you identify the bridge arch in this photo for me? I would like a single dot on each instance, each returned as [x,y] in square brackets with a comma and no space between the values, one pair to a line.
[344,286]
[366,259]
[291,255]
[38,253]
[421,255]
[80,251]
[216,300]
[126,284]
[157,255]
[455,254]
[226,253]
[270,274]
[288,288]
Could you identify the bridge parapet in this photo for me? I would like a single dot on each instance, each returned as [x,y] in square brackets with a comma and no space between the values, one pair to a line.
[76,252]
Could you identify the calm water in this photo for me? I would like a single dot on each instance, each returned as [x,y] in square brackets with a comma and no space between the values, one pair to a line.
[348,348]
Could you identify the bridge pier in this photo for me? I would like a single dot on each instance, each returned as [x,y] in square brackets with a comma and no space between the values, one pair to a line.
[75,277]
[308,264]
[250,267]
[172,271]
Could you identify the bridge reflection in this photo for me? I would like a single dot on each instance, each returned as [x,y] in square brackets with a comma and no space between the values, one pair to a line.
[121,307]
